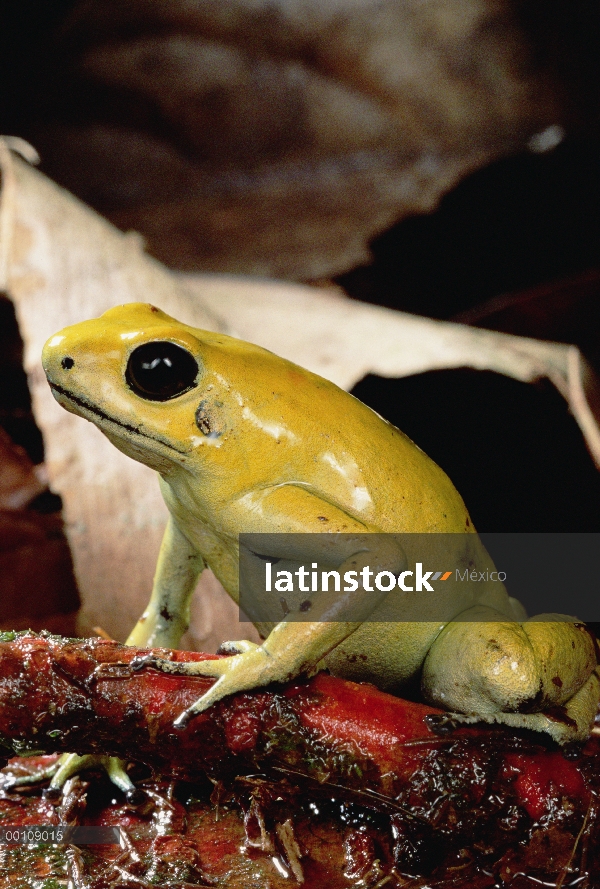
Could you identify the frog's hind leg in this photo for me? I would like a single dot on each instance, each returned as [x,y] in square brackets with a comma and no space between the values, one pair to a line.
[539,674]
[566,724]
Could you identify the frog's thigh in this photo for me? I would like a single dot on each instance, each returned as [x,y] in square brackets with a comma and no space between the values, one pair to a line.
[485,666]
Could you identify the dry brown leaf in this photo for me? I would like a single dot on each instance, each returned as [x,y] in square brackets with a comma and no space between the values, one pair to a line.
[275,137]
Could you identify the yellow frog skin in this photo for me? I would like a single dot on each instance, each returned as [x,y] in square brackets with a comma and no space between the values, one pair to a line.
[245,441]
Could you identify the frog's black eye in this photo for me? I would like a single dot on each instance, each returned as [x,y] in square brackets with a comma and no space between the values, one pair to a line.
[161,370]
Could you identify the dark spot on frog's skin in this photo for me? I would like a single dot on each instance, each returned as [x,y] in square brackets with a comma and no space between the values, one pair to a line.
[305,606]
[153,308]
[468,523]
[322,518]
[557,681]
[207,422]
[67,363]
[165,613]
[353,658]
[203,419]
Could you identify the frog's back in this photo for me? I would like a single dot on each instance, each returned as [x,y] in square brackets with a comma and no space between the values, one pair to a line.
[350,454]
[410,492]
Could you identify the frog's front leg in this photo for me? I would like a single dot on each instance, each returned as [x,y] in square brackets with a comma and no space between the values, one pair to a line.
[538,674]
[167,616]
[295,647]
[162,625]
[289,650]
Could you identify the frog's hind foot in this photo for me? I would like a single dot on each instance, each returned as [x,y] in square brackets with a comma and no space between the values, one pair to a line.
[67,766]
[208,667]
[567,724]
[446,723]
[72,764]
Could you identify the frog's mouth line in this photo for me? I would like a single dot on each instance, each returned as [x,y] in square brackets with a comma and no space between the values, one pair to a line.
[86,405]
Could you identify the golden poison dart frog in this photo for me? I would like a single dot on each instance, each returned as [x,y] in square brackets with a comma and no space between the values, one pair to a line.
[245,441]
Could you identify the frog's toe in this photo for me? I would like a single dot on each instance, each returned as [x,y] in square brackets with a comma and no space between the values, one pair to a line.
[203,703]
[70,764]
[242,672]
[215,667]
[224,686]
[237,646]
[115,769]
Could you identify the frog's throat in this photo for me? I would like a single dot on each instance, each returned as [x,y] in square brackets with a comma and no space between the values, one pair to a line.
[92,409]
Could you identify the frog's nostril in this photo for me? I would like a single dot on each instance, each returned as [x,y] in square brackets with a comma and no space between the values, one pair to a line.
[67,363]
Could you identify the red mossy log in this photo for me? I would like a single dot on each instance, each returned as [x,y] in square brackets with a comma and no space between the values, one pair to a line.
[81,696]
[337,779]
